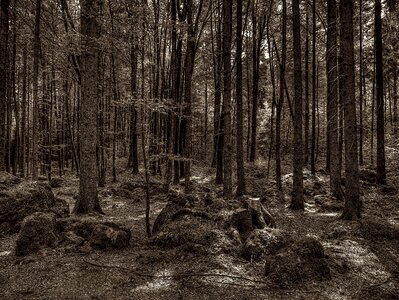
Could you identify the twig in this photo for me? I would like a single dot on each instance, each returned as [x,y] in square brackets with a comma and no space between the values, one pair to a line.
[381,283]
[175,275]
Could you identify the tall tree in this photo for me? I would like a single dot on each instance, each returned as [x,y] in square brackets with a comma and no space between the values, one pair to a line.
[239,111]
[361,78]
[4,27]
[347,85]
[313,144]
[226,49]
[35,115]
[297,193]
[88,197]
[332,99]
[379,80]
[280,103]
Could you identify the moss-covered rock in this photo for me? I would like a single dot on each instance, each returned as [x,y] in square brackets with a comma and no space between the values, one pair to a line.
[37,231]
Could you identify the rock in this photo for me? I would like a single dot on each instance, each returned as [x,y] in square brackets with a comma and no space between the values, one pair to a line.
[98,235]
[165,216]
[37,231]
[5,229]
[72,238]
[379,229]
[8,180]
[377,293]
[388,189]
[328,204]
[186,230]
[56,182]
[300,261]
[60,208]
[264,242]
[368,175]
[24,199]
[308,247]
[109,236]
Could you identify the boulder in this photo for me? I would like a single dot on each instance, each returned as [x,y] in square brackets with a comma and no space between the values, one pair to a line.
[37,231]
[98,235]
[300,261]
[186,230]
[263,242]
[109,235]
[327,203]
[179,204]
[24,199]
[379,229]
[56,182]
[367,175]
[8,180]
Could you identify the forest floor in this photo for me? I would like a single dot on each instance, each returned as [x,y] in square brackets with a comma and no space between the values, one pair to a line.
[362,265]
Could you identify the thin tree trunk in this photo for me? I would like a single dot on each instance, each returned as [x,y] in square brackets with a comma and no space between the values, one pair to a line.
[280,103]
[35,118]
[332,99]
[297,201]
[227,149]
[4,27]
[239,112]
[381,173]
[313,144]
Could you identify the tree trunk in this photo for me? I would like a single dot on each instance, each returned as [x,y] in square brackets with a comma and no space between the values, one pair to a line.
[22,156]
[88,198]
[239,112]
[347,77]
[280,103]
[395,100]
[313,144]
[361,76]
[297,193]
[332,99]
[379,77]
[226,48]
[35,118]
[4,27]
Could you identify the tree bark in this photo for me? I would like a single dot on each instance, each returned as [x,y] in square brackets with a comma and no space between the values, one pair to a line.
[280,103]
[297,193]
[227,149]
[347,84]
[332,99]
[4,27]
[239,112]
[379,77]
[35,117]
[88,178]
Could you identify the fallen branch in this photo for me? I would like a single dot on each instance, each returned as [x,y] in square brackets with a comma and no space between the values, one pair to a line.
[175,275]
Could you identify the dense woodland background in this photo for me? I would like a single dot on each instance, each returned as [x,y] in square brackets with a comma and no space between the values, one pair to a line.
[183,92]
[176,82]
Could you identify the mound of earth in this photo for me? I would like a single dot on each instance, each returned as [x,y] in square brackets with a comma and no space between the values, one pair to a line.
[43,230]
[21,199]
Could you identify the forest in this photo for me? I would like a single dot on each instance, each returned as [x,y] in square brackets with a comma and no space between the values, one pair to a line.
[199,149]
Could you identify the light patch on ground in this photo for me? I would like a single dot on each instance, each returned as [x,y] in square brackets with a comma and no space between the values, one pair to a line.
[5,253]
[201,179]
[161,281]
[364,262]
